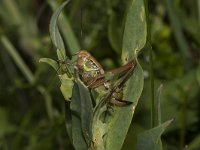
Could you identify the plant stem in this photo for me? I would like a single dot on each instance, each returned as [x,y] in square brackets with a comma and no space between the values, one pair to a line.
[151,65]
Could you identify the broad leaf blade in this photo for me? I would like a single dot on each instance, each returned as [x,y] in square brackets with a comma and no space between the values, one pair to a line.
[134,40]
[134,37]
[151,139]
[123,115]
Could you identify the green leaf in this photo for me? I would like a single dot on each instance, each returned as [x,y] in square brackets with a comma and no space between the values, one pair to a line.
[122,117]
[134,39]
[135,31]
[86,113]
[81,107]
[66,86]
[77,136]
[61,56]
[69,36]
[151,139]
[67,32]
[51,62]
[54,31]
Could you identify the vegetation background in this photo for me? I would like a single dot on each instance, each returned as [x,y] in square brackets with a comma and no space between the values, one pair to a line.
[31,104]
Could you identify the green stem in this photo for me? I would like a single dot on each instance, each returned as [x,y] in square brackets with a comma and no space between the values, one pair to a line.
[151,65]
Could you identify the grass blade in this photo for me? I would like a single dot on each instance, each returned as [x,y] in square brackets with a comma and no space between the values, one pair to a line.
[18,60]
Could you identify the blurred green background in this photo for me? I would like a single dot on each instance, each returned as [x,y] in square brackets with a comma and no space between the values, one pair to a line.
[31,104]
